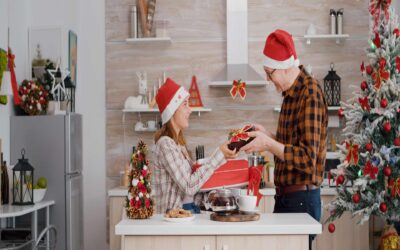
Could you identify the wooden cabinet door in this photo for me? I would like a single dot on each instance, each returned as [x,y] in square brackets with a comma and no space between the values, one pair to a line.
[170,242]
[348,234]
[115,216]
[269,203]
[262,242]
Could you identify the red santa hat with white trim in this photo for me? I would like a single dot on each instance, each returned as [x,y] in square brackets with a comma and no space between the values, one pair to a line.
[279,51]
[169,97]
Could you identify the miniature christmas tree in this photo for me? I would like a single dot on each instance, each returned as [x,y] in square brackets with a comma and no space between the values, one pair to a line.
[194,98]
[368,178]
[139,204]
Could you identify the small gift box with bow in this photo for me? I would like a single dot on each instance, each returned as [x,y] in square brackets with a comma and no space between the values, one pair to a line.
[239,137]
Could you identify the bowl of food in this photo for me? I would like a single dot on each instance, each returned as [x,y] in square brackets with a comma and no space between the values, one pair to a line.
[38,194]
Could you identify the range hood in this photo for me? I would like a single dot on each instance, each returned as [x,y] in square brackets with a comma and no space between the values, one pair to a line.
[237,66]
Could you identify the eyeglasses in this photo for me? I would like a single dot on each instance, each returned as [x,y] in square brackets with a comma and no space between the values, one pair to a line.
[269,74]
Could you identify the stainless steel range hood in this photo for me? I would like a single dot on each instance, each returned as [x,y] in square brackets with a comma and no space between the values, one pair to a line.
[237,66]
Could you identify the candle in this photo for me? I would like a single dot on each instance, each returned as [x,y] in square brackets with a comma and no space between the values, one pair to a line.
[164,77]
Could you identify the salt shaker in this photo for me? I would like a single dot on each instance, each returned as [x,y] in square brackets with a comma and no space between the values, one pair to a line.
[339,17]
[333,21]
[134,28]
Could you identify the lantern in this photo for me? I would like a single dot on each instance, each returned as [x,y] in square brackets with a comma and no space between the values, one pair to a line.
[332,88]
[23,182]
[70,93]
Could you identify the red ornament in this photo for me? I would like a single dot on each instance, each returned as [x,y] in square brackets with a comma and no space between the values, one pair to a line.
[369,147]
[364,103]
[340,112]
[370,170]
[383,207]
[362,67]
[396,32]
[364,85]
[356,198]
[340,180]
[369,69]
[382,63]
[144,172]
[396,141]
[138,204]
[147,203]
[387,171]
[331,228]
[387,127]
[377,40]
[384,103]
[398,63]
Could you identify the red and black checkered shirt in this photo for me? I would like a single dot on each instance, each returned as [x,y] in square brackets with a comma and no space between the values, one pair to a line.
[302,128]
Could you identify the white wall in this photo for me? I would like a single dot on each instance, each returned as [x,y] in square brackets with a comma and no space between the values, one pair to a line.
[86,19]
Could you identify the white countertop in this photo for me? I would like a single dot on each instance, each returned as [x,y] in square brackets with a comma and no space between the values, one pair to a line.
[123,191]
[7,211]
[269,224]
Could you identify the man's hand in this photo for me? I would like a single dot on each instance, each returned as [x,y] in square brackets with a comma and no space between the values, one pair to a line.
[261,128]
[258,144]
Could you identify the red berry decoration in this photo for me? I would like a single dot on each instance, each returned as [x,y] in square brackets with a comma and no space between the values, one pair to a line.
[383,207]
[387,127]
[384,103]
[356,198]
[340,180]
[331,228]
[369,69]
[387,171]
[382,63]
[364,85]
[396,141]
[396,32]
[340,112]
[369,147]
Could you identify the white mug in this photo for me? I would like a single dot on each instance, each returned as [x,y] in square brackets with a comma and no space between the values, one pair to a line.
[151,124]
[139,126]
[247,202]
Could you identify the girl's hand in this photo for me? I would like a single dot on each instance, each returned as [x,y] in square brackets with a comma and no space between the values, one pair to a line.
[229,154]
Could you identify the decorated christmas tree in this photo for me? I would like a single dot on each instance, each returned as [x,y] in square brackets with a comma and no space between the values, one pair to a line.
[368,178]
[139,204]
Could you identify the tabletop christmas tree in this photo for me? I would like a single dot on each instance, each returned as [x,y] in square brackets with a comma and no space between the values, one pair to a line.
[368,178]
[139,204]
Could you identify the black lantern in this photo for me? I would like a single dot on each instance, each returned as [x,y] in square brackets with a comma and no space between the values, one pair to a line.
[70,93]
[23,182]
[332,88]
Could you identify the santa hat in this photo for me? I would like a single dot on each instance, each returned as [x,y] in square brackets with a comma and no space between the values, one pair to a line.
[279,51]
[169,97]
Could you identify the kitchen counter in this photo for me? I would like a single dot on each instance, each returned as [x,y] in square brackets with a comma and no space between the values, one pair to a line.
[272,231]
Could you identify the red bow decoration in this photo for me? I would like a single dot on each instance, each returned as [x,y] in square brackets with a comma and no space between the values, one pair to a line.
[240,134]
[362,67]
[14,85]
[398,63]
[377,40]
[394,186]
[380,75]
[370,170]
[254,182]
[378,7]
[238,87]
[364,103]
[352,153]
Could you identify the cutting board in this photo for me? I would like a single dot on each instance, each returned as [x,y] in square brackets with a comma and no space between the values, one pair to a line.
[236,217]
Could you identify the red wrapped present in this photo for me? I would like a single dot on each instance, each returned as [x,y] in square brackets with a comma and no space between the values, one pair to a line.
[239,137]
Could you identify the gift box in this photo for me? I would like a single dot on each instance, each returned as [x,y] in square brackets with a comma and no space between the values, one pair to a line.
[234,173]
[238,137]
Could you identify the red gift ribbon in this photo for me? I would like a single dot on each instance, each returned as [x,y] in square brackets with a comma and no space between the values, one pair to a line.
[352,154]
[240,134]
[254,182]
[238,87]
[14,85]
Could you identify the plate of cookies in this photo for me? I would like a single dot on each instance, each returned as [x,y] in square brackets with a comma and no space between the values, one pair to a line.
[178,215]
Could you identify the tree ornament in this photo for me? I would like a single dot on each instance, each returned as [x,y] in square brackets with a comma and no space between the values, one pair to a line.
[352,153]
[331,228]
[396,141]
[340,180]
[396,32]
[380,75]
[383,207]
[370,170]
[364,85]
[364,103]
[362,67]
[340,113]
[369,69]
[369,146]
[387,126]
[387,171]
[238,88]
[384,103]
[377,40]
[382,63]
[356,198]
[398,63]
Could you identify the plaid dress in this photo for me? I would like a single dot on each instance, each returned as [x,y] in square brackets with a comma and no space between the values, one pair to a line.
[302,128]
[172,173]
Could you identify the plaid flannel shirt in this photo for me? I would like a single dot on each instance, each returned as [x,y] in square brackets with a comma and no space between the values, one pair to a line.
[172,173]
[302,128]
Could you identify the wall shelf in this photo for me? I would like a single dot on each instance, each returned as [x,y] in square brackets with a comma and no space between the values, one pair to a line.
[148,40]
[333,155]
[338,38]
[154,110]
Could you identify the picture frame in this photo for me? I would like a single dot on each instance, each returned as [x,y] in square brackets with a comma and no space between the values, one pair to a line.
[72,55]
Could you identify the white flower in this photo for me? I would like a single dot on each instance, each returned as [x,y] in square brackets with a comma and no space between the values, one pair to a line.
[137,198]
[144,167]
[39,106]
[141,177]
[129,196]
[135,182]
[40,93]
[147,196]
[24,88]
[23,97]
[140,194]
[30,107]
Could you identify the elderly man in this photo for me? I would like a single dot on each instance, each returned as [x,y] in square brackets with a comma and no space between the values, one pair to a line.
[299,145]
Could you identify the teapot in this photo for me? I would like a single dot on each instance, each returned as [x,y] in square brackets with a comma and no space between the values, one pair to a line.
[221,200]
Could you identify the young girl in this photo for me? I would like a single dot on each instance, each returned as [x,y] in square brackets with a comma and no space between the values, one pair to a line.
[174,183]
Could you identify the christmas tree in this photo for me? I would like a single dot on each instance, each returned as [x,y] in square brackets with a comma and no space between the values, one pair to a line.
[368,178]
[139,204]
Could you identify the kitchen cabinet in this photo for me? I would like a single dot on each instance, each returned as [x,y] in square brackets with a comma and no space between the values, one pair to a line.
[170,242]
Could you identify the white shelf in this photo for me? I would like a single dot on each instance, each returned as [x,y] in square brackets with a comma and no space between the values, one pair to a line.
[146,130]
[166,40]
[149,110]
[338,38]
[332,155]
[229,84]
